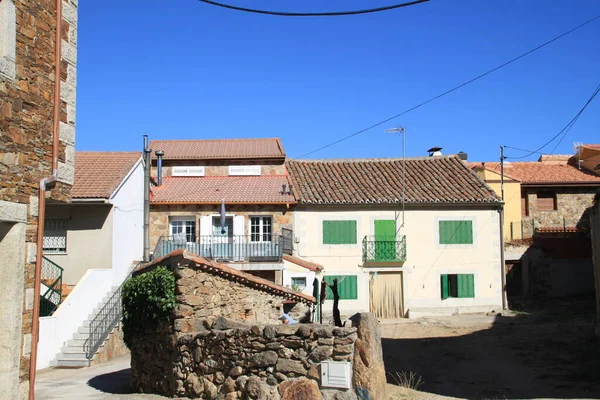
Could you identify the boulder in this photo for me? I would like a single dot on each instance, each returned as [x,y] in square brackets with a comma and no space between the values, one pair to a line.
[264,359]
[321,353]
[290,366]
[299,389]
[257,388]
[369,370]
[224,324]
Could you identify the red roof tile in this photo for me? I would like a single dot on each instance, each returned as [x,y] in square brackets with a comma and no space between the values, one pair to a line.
[226,272]
[443,179]
[98,174]
[311,266]
[264,189]
[592,146]
[537,173]
[218,149]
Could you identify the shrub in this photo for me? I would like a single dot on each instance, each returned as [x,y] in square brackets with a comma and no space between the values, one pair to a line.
[147,299]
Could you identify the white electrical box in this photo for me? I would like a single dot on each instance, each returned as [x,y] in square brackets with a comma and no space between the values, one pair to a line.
[336,374]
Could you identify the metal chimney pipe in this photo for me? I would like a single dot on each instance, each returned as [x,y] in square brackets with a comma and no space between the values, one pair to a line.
[147,166]
[159,156]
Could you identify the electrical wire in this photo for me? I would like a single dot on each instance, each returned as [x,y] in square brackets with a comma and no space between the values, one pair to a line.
[563,131]
[313,14]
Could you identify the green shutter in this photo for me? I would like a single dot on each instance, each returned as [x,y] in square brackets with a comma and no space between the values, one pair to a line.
[347,286]
[456,232]
[339,232]
[444,284]
[466,285]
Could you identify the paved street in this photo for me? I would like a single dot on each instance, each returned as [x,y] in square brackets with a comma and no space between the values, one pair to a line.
[105,381]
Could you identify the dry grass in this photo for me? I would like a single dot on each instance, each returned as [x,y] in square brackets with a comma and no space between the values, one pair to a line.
[407,379]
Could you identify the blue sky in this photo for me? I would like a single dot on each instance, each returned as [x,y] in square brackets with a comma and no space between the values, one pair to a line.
[186,70]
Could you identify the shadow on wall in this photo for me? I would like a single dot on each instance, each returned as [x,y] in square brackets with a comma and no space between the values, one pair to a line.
[550,353]
[118,382]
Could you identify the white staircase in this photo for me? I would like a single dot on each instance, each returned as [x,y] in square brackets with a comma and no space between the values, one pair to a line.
[72,353]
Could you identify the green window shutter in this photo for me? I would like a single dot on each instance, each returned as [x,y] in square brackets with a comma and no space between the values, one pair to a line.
[347,286]
[444,284]
[456,232]
[339,232]
[466,285]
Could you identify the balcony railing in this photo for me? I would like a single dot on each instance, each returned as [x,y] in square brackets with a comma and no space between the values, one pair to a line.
[384,249]
[236,248]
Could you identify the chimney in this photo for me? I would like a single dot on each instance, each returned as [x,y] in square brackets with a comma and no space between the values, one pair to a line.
[159,156]
[435,151]
[462,155]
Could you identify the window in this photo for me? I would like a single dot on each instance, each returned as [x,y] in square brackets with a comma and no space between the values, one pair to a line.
[458,285]
[524,205]
[260,229]
[55,236]
[216,223]
[299,283]
[456,232]
[8,36]
[188,171]
[244,170]
[183,229]
[546,201]
[347,287]
[339,232]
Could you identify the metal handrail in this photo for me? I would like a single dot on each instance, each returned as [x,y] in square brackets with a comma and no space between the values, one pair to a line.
[52,297]
[105,320]
[384,248]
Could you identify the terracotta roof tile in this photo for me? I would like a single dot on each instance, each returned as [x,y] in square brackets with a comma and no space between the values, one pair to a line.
[218,149]
[592,146]
[444,179]
[311,266]
[541,173]
[227,272]
[233,189]
[98,174]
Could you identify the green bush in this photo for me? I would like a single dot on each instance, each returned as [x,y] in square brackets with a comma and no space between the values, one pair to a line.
[147,299]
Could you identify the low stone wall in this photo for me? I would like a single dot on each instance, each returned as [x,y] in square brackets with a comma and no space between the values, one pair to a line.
[237,361]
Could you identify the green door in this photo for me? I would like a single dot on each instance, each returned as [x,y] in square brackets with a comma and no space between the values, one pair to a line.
[385,240]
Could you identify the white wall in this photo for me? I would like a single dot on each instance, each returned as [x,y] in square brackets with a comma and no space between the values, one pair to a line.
[56,330]
[292,270]
[426,258]
[128,223]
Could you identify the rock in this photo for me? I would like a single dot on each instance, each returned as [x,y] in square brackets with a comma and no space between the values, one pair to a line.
[323,332]
[293,343]
[219,378]
[321,353]
[258,346]
[346,340]
[195,385]
[189,325]
[287,330]
[235,372]
[198,354]
[272,381]
[325,341]
[348,349]
[224,324]
[301,353]
[333,394]
[208,322]
[273,346]
[182,311]
[269,332]
[240,382]
[264,359]
[280,376]
[257,388]
[296,389]
[368,369]
[314,372]
[344,331]
[232,396]
[210,390]
[303,331]
[256,330]
[290,366]
[228,386]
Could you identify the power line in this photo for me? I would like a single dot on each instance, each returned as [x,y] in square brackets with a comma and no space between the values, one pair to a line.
[313,14]
[526,151]
[563,131]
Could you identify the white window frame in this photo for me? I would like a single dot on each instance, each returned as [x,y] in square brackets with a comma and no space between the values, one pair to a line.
[8,39]
[244,170]
[191,170]
[183,219]
[261,228]
[55,236]
[301,287]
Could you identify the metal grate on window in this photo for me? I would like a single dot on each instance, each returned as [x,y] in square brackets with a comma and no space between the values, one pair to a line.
[55,236]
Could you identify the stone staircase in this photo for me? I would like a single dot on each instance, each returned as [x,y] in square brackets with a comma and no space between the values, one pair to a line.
[72,353]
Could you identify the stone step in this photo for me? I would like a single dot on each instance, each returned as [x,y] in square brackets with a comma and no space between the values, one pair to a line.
[64,362]
[77,342]
[82,336]
[72,356]
[84,329]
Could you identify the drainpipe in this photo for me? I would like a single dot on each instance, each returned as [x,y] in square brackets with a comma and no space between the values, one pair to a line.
[45,184]
[159,156]
[147,167]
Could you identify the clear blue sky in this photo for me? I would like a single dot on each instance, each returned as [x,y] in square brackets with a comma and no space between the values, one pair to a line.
[186,70]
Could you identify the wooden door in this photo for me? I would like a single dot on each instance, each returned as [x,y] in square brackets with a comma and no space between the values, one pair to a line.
[386,294]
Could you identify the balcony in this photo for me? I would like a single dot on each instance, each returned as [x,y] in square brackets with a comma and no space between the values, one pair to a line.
[383,249]
[238,248]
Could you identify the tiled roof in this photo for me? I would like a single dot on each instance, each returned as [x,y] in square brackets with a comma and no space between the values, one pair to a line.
[592,146]
[311,266]
[443,179]
[264,189]
[226,272]
[218,149]
[541,173]
[484,165]
[98,174]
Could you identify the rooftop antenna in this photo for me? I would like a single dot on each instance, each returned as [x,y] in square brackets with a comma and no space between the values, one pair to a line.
[403,199]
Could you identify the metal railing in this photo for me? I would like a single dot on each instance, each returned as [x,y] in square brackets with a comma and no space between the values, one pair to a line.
[105,320]
[384,249]
[52,278]
[251,248]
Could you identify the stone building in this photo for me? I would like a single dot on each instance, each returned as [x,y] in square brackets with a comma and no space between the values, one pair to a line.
[37,135]
[249,177]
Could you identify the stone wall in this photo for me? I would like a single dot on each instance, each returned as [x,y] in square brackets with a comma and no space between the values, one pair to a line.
[237,361]
[573,205]
[159,216]
[201,295]
[26,119]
